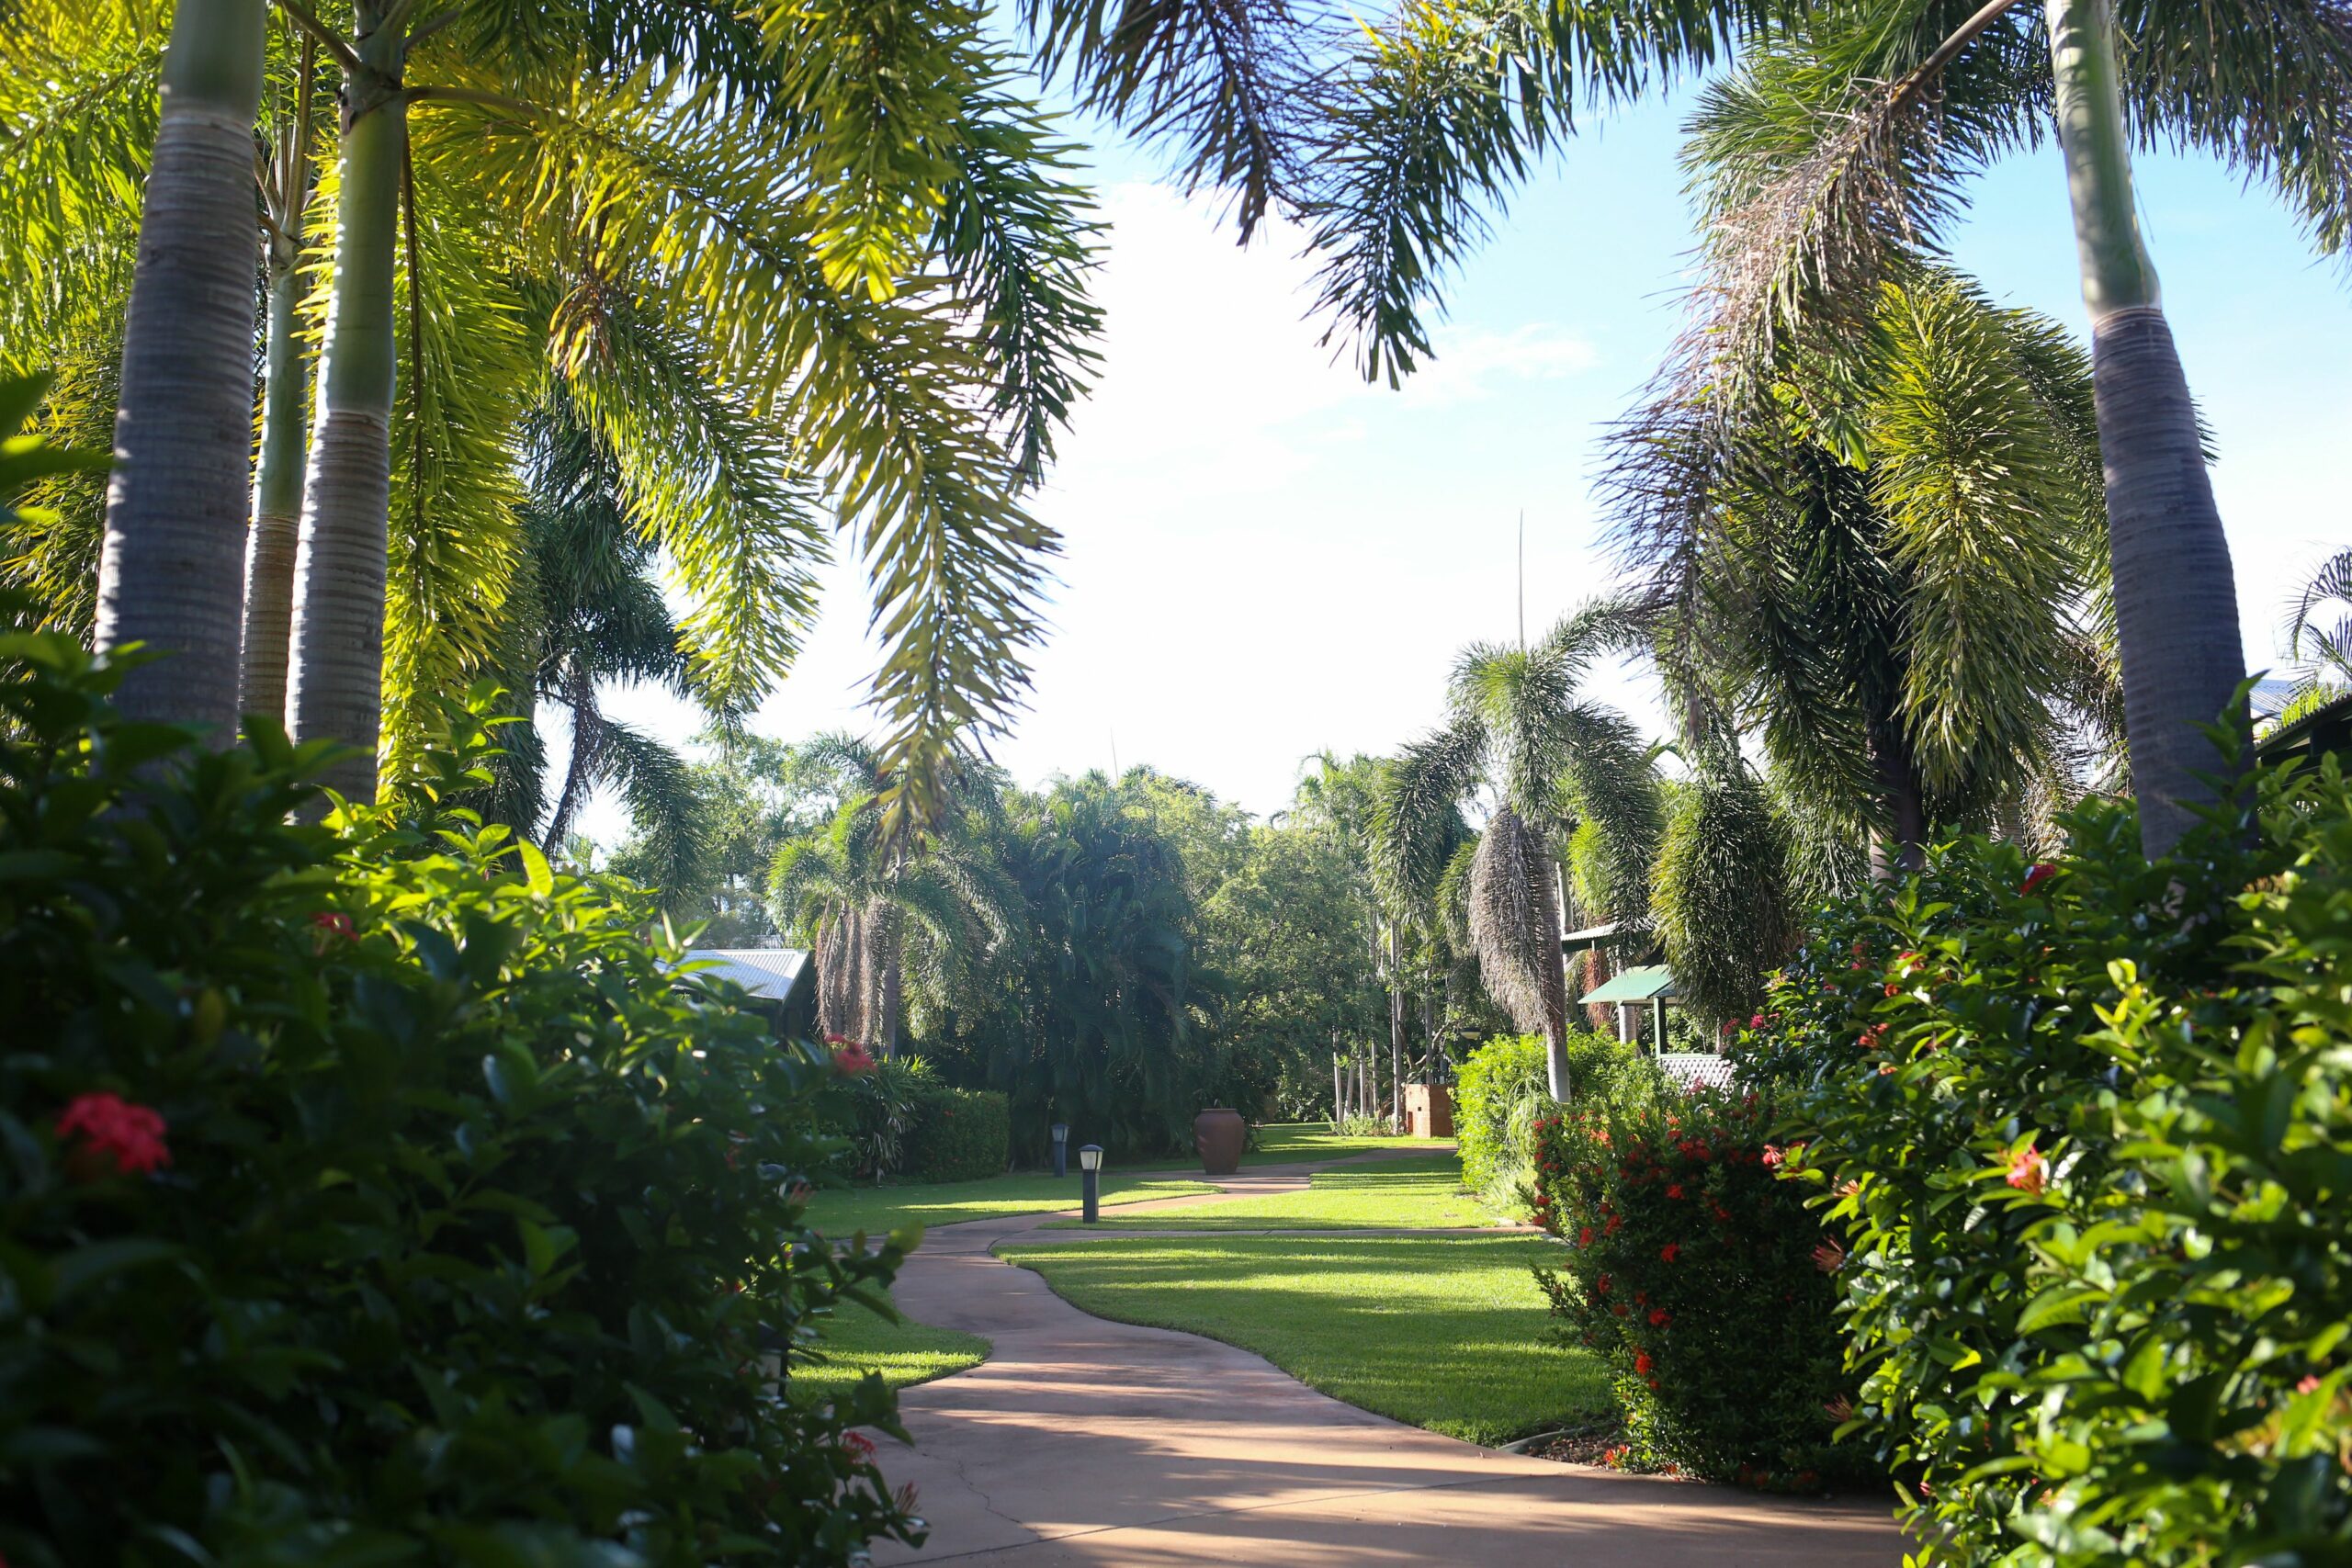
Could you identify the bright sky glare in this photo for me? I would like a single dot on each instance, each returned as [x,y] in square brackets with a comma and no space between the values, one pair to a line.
[1264,556]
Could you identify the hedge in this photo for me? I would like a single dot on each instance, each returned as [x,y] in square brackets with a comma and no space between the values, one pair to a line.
[957,1134]
[1501,1088]
[373,1193]
[2086,1127]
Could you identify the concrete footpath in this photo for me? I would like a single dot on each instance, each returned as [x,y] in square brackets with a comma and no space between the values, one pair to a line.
[1081,1441]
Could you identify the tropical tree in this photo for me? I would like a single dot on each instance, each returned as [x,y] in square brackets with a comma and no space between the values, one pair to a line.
[1844,144]
[1897,580]
[892,276]
[1557,764]
[877,912]
[2322,646]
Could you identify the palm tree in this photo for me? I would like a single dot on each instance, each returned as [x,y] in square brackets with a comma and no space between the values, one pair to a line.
[1895,579]
[874,909]
[176,510]
[1559,765]
[2324,650]
[1862,119]
[757,188]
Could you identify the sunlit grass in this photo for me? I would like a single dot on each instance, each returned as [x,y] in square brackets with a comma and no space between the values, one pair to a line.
[1419,1193]
[1447,1333]
[856,1342]
[842,1213]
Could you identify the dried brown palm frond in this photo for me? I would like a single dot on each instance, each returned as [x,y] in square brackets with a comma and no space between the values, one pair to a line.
[1515,925]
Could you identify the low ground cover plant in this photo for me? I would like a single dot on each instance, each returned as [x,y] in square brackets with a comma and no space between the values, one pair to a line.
[370,1193]
[1693,1272]
[2085,1131]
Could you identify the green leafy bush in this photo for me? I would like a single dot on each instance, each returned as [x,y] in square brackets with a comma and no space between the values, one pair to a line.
[958,1134]
[2087,1128]
[1503,1088]
[872,1111]
[369,1193]
[1690,1267]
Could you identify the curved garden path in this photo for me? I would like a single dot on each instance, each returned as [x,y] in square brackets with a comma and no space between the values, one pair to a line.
[1082,1441]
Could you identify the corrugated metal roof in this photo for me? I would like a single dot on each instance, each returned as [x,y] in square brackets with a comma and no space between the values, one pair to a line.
[1641,983]
[769,973]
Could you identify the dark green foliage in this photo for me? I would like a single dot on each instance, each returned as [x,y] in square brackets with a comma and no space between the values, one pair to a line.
[1690,1266]
[957,1134]
[474,1244]
[2086,1127]
[1720,894]
[1503,1088]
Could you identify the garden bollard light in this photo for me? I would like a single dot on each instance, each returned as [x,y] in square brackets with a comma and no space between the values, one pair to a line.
[1061,1150]
[1090,1165]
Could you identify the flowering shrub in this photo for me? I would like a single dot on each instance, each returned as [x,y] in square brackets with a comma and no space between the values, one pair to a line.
[371,1193]
[1691,1268]
[2087,1128]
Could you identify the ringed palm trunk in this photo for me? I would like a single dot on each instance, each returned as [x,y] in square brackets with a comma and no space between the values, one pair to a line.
[335,689]
[183,447]
[2176,599]
[277,488]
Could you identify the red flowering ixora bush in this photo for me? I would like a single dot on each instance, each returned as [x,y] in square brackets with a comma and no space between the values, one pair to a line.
[372,1193]
[1690,1266]
[2086,1126]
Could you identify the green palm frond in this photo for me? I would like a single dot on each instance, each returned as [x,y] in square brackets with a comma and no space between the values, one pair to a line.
[1016,237]
[2322,643]
[77,121]
[1417,813]
[1721,891]
[1227,85]
[453,540]
[717,489]
[2265,87]
[876,86]
[886,399]
[656,786]
[1983,509]
[53,484]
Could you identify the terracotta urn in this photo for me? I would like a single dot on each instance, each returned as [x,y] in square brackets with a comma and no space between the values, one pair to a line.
[1219,1134]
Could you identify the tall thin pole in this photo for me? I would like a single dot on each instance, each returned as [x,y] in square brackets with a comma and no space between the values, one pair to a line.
[1522,580]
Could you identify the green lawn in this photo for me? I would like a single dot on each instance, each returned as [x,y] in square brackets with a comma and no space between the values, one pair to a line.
[856,1342]
[842,1213]
[1290,1143]
[1444,1331]
[1420,1194]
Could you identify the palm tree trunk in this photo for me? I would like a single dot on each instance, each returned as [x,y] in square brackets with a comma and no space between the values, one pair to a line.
[277,500]
[285,431]
[2176,597]
[587,747]
[1396,1032]
[183,441]
[1898,844]
[338,642]
[890,945]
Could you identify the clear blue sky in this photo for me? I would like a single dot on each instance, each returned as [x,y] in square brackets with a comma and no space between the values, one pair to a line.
[1264,558]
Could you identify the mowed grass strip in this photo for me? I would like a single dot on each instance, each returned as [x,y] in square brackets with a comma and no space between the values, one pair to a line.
[1423,1192]
[855,1342]
[841,1212]
[1447,1333]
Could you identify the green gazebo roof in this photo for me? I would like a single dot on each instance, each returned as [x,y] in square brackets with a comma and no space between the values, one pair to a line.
[1646,983]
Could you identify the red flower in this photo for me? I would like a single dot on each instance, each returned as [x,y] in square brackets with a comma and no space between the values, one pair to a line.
[110,1127]
[1642,1363]
[1829,1256]
[1671,1251]
[1600,1285]
[853,1059]
[2028,1172]
[1840,1409]
[1675,1190]
[1756,1022]
[332,922]
[2308,1385]
[858,1446]
[1661,1317]
[1616,1220]
[2036,877]
[1893,990]
[1723,1214]
[1584,1236]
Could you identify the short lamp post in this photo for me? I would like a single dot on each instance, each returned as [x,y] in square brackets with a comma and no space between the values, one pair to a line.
[1090,1166]
[1061,1150]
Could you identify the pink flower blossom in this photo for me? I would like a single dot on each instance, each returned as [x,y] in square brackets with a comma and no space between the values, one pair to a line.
[1772,1155]
[853,1059]
[2028,1172]
[2036,877]
[110,1127]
